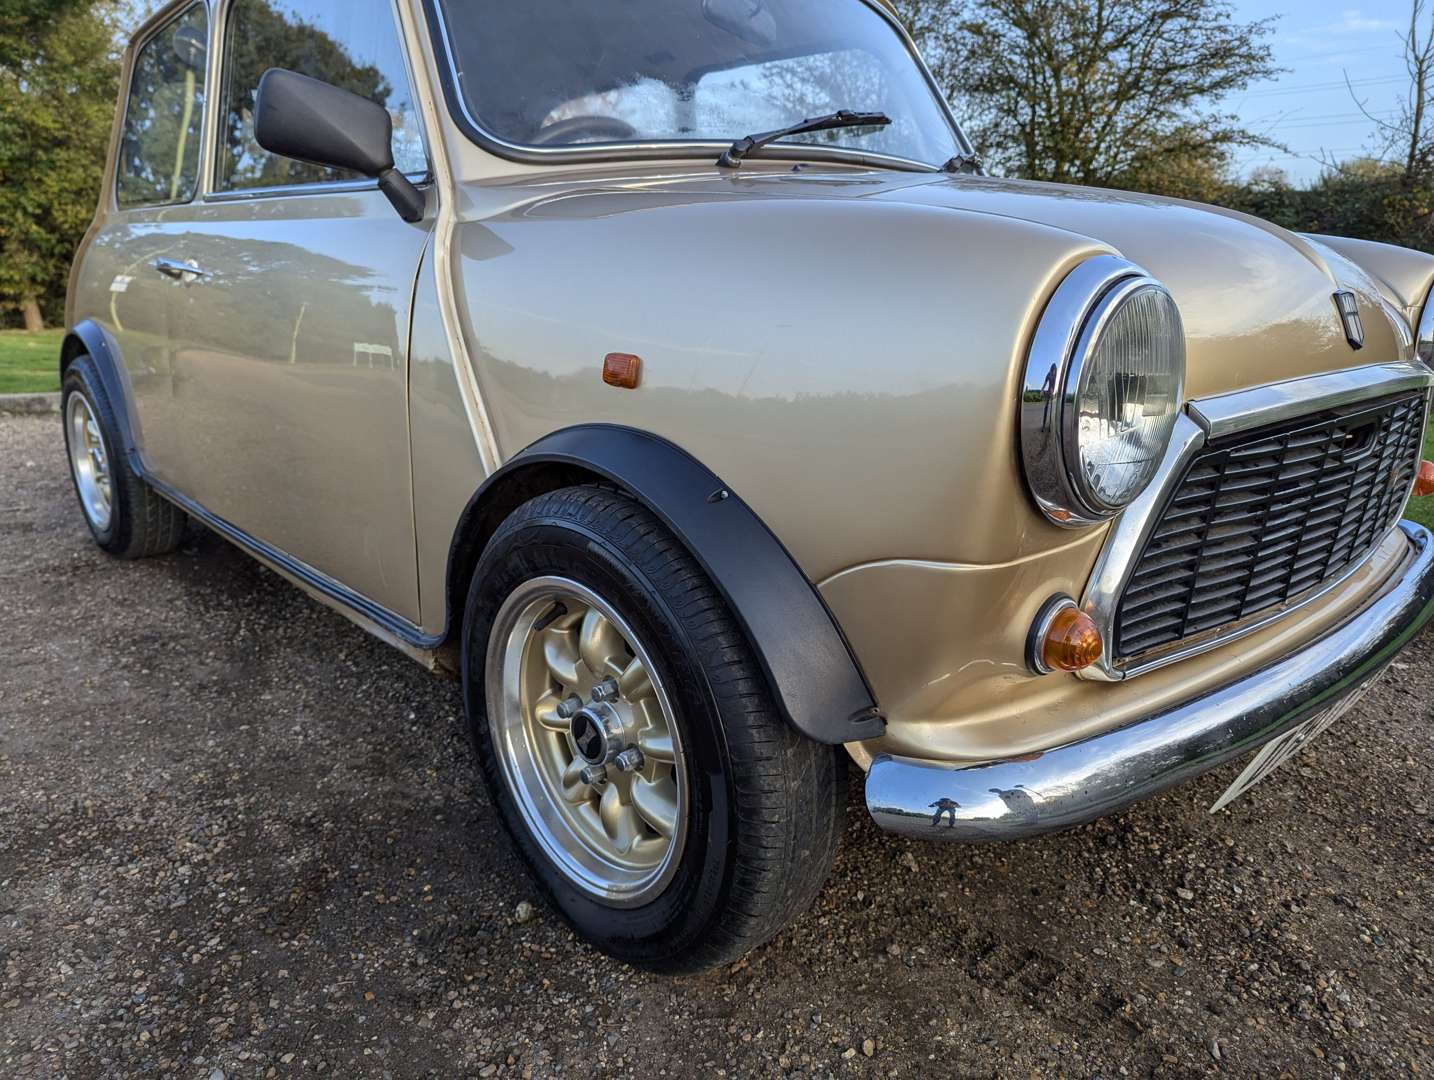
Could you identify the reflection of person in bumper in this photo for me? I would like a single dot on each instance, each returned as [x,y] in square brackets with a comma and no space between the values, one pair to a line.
[945,806]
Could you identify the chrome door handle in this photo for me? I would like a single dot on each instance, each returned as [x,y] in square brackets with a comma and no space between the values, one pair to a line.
[179,271]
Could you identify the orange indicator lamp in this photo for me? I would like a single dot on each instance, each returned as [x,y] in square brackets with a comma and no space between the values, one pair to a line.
[1064,638]
[622,370]
[1424,482]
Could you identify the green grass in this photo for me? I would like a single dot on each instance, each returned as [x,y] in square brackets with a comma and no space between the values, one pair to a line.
[30,363]
[1422,510]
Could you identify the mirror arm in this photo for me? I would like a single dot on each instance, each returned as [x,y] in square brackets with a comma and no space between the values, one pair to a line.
[406,198]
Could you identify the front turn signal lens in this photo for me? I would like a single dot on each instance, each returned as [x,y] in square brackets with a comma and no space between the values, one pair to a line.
[1424,482]
[1067,639]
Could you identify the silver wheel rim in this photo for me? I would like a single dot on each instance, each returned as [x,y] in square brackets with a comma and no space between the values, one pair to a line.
[563,668]
[88,461]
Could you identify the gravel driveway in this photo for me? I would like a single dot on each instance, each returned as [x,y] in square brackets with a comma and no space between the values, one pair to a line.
[239,837]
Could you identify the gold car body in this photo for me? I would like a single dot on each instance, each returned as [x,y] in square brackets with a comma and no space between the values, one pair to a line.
[843,345]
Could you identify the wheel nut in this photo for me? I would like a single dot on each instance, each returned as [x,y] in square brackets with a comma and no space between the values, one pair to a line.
[630,760]
[569,706]
[593,775]
[605,690]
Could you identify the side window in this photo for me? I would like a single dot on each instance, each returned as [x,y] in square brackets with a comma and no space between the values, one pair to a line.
[159,147]
[349,43]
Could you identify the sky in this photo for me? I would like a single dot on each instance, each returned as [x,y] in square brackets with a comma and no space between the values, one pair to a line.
[1309,108]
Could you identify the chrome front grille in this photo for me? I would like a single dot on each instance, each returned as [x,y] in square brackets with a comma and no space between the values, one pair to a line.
[1262,518]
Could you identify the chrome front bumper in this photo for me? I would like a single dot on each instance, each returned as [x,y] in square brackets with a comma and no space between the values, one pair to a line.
[1081,781]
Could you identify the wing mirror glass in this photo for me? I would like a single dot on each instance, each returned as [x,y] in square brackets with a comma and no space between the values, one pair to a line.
[313,121]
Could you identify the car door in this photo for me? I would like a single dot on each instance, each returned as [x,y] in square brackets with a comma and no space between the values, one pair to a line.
[132,264]
[292,353]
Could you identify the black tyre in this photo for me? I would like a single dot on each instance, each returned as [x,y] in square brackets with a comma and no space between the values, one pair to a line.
[630,742]
[125,515]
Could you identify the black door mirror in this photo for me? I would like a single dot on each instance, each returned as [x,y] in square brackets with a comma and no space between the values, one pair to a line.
[309,120]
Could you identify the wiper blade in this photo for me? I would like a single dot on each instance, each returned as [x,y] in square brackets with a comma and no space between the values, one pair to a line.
[732,157]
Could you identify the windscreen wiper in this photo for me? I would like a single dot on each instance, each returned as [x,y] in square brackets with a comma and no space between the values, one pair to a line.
[965,163]
[732,157]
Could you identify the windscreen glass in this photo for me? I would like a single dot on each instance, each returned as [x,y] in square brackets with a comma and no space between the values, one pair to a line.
[573,73]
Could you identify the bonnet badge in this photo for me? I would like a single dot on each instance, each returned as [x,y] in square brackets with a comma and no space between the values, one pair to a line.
[1348,305]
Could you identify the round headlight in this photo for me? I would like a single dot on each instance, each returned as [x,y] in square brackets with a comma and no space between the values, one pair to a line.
[1128,376]
[1104,387]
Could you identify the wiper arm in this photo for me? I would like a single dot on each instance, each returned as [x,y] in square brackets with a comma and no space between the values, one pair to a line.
[732,157]
[963,163]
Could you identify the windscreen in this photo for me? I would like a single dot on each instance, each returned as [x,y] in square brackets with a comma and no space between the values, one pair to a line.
[575,73]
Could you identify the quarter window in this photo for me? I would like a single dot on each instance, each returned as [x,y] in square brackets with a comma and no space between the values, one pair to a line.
[159,145]
[349,43]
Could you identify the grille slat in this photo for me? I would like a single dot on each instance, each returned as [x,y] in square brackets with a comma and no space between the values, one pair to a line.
[1254,525]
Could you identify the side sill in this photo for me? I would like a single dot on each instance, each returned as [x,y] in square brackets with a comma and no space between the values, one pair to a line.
[371,616]
[396,626]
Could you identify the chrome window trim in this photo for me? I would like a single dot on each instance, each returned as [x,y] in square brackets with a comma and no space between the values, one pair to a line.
[330,187]
[1205,420]
[656,150]
[1078,309]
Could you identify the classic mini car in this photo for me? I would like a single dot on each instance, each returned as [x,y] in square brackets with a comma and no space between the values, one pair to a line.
[671,371]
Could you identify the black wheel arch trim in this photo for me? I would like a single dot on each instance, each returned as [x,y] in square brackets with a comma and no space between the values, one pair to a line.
[90,338]
[814,675]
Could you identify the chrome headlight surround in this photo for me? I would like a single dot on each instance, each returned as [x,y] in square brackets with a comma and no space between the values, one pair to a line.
[1424,338]
[1070,333]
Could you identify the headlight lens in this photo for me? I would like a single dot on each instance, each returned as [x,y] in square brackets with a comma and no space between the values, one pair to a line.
[1104,385]
[1129,381]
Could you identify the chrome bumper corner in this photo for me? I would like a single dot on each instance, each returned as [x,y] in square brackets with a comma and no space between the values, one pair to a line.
[1081,781]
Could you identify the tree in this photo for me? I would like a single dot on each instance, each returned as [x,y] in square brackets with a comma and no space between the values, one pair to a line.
[24,24]
[1407,137]
[1419,63]
[1396,186]
[1197,171]
[939,28]
[58,71]
[1104,92]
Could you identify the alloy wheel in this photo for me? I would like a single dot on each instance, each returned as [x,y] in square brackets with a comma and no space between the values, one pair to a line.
[585,733]
[89,461]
